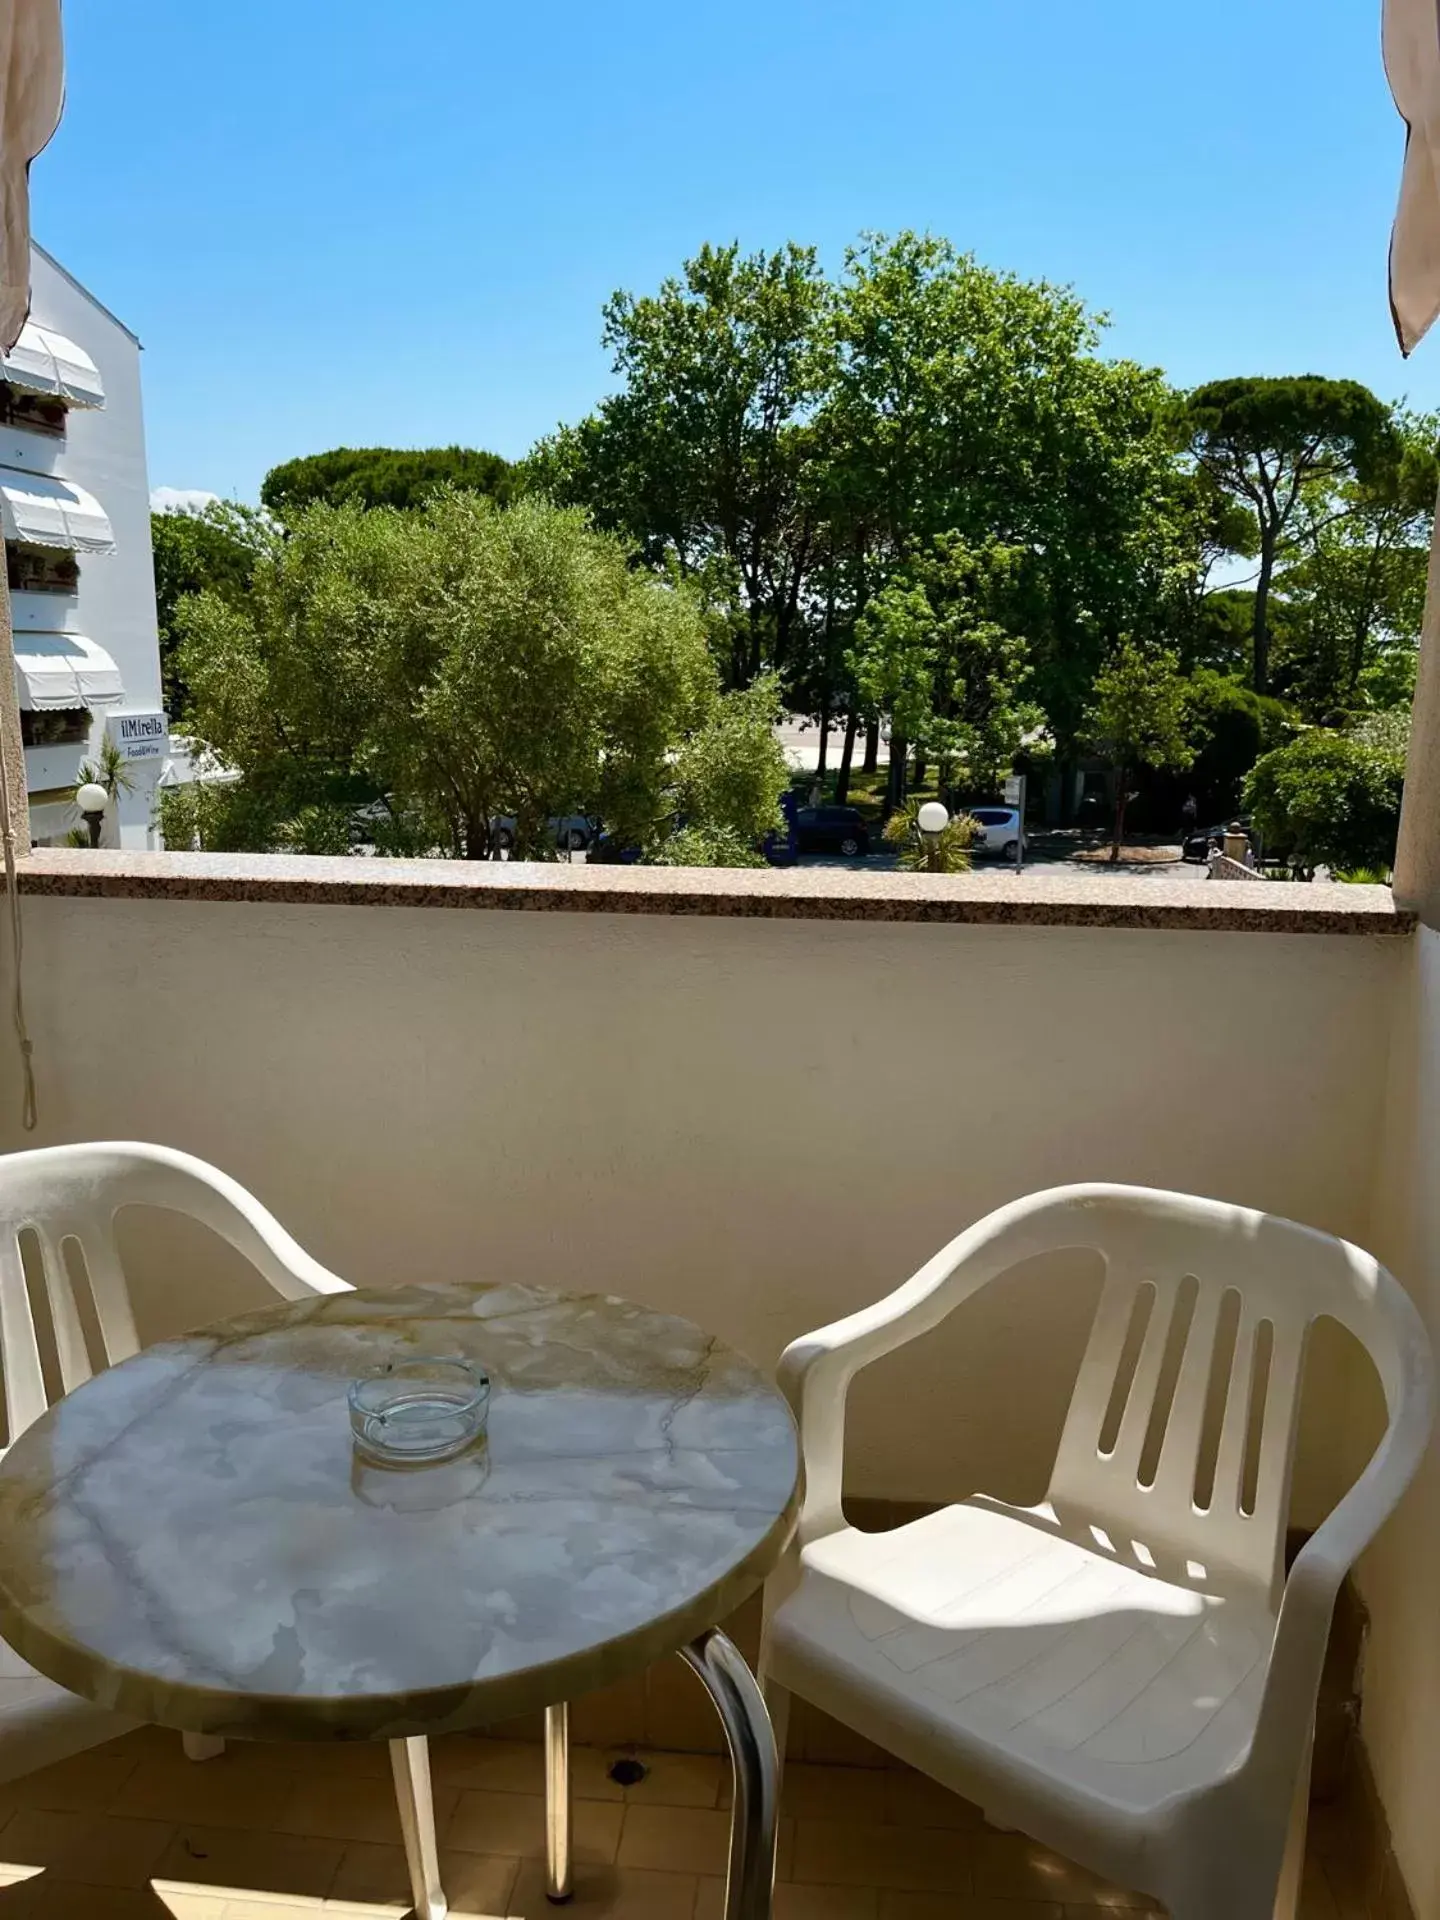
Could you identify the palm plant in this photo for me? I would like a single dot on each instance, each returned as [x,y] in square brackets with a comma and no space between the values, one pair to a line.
[945,852]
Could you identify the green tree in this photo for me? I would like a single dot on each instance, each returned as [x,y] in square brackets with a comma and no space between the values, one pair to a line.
[709,847]
[937,653]
[974,403]
[1232,726]
[1140,717]
[383,477]
[731,771]
[212,548]
[1329,799]
[1355,594]
[410,677]
[702,452]
[1266,442]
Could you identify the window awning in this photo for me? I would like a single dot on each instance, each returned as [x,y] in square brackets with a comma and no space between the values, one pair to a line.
[46,512]
[43,361]
[54,670]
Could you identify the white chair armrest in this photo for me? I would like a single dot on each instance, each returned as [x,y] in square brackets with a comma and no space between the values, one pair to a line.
[815,1371]
[137,1173]
[1302,1631]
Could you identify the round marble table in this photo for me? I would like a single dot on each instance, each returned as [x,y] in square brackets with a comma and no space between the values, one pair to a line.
[191,1538]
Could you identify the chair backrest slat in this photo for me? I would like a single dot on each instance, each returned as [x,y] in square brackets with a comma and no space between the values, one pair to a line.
[1197,1471]
[108,1290]
[25,1398]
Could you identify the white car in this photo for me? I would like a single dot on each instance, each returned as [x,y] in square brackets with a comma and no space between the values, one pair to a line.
[1001,831]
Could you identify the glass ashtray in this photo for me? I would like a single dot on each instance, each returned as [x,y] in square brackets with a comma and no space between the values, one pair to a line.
[413,1411]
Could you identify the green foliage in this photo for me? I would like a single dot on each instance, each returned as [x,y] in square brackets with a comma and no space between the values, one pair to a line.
[944,852]
[408,678]
[1328,799]
[110,770]
[383,477]
[209,549]
[731,771]
[1354,593]
[709,847]
[1267,442]
[1140,717]
[935,651]
[1232,726]
[703,451]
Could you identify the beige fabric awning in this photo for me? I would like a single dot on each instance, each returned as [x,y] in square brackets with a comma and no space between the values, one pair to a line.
[46,512]
[32,92]
[60,670]
[1412,65]
[43,361]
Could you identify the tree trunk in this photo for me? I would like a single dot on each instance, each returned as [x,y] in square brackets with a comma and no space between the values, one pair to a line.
[1260,637]
[895,778]
[1118,841]
[847,755]
[872,747]
[920,767]
[823,755]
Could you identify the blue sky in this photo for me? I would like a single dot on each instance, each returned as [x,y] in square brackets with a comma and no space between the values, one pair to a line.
[356,221]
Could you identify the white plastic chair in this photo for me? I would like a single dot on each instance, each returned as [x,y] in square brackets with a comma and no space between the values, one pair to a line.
[1123,1672]
[65,1199]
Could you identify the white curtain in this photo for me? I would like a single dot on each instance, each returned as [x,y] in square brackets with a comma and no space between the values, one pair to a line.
[32,92]
[1412,64]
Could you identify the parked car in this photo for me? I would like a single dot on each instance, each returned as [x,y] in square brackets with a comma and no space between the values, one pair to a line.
[573,832]
[1001,830]
[1201,842]
[831,830]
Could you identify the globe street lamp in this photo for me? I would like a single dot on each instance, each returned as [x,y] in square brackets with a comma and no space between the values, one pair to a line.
[92,801]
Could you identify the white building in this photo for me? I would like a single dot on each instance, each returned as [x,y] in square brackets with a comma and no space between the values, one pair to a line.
[75,507]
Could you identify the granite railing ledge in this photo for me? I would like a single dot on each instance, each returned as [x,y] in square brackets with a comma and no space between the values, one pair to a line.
[1047,898]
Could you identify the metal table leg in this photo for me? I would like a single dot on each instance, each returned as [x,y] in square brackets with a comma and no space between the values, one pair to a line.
[410,1763]
[750,1882]
[557,1803]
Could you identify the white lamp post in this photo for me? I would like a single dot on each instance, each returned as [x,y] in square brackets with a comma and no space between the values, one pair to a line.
[92,801]
[932,819]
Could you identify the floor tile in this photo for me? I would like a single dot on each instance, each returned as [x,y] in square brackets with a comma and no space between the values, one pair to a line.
[355,1809]
[1010,1866]
[797,1901]
[514,1824]
[850,1853]
[914,1800]
[942,1906]
[675,1839]
[626,1893]
[376,1877]
[93,1849]
[496,1766]
[671,1779]
[832,1793]
[252,1866]
[208,1793]
[46,1898]
[184,1903]
[86,1783]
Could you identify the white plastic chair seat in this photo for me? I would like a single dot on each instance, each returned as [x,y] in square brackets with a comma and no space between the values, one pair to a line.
[976,1633]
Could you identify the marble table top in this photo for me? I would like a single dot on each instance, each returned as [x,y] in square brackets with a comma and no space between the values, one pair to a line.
[190,1538]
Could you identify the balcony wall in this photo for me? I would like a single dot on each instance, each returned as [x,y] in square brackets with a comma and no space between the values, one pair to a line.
[760,1123]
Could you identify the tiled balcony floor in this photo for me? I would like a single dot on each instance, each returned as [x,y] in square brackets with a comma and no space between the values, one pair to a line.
[134,1831]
